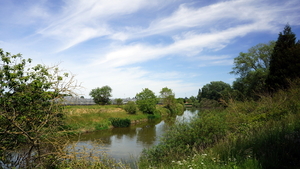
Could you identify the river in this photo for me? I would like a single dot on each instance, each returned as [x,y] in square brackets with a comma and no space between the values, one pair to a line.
[127,144]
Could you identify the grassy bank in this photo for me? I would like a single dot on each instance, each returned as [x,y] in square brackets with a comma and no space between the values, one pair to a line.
[97,117]
[261,134]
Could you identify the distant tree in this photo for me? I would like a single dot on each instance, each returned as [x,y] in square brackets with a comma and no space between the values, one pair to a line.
[101,95]
[252,68]
[199,95]
[193,99]
[168,99]
[214,90]
[119,101]
[285,61]
[167,96]
[180,100]
[165,92]
[146,101]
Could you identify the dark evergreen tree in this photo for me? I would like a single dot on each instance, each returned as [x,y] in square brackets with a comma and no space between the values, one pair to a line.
[199,95]
[284,62]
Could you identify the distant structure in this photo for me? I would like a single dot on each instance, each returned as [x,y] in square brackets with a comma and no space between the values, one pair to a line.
[71,100]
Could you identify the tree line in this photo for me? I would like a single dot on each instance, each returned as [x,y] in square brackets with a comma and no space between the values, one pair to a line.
[264,69]
[146,100]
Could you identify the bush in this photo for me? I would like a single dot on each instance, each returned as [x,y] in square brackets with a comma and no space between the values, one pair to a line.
[130,107]
[118,122]
[182,139]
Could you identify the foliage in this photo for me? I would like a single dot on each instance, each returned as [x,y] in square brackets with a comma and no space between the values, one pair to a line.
[208,104]
[252,68]
[119,102]
[118,122]
[29,104]
[146,101]
[130,107]
[165,93]
[180,100]
[249,134]
[182,139]
[285,61]
[101,95]
[214,90]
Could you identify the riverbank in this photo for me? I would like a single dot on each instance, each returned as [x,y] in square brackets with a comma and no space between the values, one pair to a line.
[249,134]
[81,119]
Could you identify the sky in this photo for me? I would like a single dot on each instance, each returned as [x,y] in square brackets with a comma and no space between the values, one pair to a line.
[131,45]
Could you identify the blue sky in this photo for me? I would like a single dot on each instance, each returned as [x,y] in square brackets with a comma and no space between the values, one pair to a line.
[135,44]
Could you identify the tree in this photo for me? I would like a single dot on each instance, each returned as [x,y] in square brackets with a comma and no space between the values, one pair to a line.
[199,95]
[30,109]
[130,107]
[119,101]
[285,61]
[168,99]
[146,101]
[101,95]
[214,90]
[252,68]
[166,95]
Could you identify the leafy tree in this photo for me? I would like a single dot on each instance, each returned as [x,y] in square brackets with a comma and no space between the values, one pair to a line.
[252,68]
[101,95]
[119,101]
[30,109]
[193,99]
[180,100]
[130,107]
[146,101]
[167,96]
[285,61]
[165,92]
[214,90]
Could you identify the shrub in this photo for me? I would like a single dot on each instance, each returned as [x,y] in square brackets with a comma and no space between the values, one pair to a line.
[118,122]
[130,107]
[182,139]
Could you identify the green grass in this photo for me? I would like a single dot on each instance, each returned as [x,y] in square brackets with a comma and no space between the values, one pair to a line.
[261,134]
[96,117]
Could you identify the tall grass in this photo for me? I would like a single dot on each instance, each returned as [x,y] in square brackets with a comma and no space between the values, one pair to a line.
[250,134]
[96,117]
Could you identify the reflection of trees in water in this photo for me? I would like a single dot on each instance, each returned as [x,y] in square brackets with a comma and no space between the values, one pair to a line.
[147,134]
[26,156]
[193,110]
[170,120]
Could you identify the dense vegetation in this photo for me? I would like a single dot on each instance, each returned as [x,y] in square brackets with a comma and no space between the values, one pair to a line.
[29,109]
[249,134]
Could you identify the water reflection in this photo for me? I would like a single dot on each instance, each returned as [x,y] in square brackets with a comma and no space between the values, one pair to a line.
[127,143]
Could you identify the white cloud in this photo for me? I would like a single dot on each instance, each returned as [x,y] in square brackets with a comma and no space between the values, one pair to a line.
[188,31]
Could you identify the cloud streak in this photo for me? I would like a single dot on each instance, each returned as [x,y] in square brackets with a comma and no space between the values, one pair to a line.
[133,44]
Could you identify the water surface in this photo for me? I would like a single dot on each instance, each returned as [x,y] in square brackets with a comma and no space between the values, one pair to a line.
[128,143]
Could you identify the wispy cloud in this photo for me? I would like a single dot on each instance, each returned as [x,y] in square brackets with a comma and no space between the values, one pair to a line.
[119,42]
